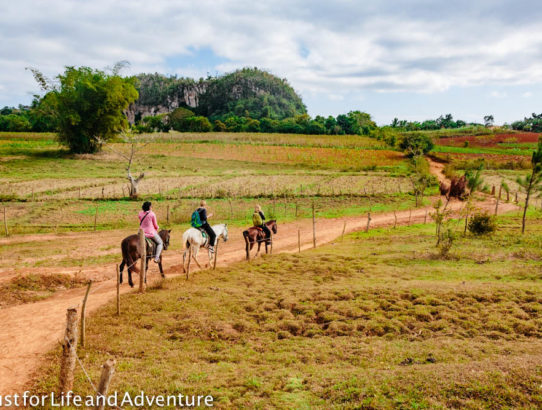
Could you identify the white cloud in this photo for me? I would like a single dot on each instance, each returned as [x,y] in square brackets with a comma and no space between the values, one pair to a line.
[333,48]
[527,94]
[498,94]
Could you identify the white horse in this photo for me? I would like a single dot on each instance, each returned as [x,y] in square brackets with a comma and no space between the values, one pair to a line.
[193,239]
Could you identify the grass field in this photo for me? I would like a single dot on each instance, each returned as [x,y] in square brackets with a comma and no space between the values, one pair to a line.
[378,320]
[45,189]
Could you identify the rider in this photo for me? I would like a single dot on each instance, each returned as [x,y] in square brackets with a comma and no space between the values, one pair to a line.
[202,211]
[147,222]
[258,219]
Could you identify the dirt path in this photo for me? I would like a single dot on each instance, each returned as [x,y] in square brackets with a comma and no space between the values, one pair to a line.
[29,331]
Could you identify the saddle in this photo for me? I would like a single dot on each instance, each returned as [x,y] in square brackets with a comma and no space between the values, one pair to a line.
[150,243]
[259,228]
[205,236]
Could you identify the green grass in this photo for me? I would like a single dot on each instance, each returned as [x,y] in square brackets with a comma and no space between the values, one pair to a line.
[480,150]
[378,320]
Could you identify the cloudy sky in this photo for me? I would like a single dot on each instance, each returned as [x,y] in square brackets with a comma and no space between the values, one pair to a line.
[409,59]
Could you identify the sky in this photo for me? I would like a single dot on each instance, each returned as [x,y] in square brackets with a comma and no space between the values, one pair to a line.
[414,60]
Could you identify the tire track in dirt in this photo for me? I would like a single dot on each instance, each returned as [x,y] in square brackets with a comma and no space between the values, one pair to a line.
[29,331]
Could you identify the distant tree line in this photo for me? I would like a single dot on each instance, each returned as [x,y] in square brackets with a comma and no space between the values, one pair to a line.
[444,121]
[26,118]
[185,120]
[532,124]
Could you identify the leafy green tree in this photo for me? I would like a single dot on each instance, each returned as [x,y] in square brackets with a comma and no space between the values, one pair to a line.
[331,125]
[268,125]
[252,125]
[316,127]
[234,124]
[177,118]
[419,177]
[219,126]
[158,122]
[198,124]
[89,105]
[416,144]
[14,123]
[532,183]
[488,120]
[361,123]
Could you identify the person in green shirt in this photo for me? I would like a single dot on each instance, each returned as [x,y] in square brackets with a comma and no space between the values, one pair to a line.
[258,219]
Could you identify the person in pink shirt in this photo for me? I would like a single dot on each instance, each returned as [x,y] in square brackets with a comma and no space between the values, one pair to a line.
[147,222]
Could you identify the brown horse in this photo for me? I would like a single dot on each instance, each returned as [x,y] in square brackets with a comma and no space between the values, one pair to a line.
[255,234]
[131,252]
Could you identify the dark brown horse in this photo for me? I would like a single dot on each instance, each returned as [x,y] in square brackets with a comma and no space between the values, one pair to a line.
[257,235]
[131,252]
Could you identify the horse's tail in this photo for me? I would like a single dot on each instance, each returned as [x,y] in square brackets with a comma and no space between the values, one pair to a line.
[186,242]
[127,257]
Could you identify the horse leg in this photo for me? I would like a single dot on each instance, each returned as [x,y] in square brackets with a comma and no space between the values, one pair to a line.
[160,267]
[184,257]
[147,260]
[259,246]
[121,268]
[130,282]
[195,256]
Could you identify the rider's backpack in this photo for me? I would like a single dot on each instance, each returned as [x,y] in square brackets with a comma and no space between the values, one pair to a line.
[196,221]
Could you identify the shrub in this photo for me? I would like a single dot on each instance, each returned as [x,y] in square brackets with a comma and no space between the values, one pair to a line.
[481,224]
[446,241]
[416,143]
[178,117]
[219,126]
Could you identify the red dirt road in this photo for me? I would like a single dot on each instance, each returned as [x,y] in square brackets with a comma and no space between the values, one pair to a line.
[29,331]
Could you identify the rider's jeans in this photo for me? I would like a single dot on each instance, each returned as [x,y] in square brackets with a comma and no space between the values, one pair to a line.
[159,246]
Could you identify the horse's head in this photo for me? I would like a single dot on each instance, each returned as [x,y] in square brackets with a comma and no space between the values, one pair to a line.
[165,235]
[273,224]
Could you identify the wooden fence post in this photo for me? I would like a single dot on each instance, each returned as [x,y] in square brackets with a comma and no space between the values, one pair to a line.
[167,217]
[108,369]
[395,222]
[69,351]
[95,218]
[368,222]
[516,197]
[299,240]
[296,209]
[493,191]
[6,231]
[313,227]
[425,218]
[216,254]
[344,229]
[118,290]
[83,308]
[143,252]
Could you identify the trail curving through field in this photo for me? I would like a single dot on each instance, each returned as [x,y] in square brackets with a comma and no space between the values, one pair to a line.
[29,331]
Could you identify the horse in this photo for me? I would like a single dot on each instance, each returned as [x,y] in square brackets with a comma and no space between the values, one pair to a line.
[255,234]
[193,238]
[131,252]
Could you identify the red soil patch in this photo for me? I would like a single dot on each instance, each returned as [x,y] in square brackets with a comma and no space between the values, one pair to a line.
[490,140]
